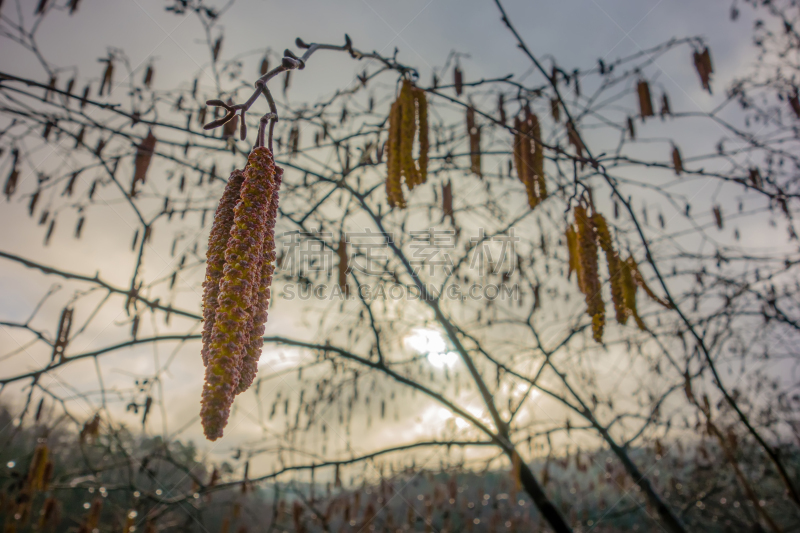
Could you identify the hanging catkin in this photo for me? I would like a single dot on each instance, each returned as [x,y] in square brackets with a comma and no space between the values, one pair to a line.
[394,189]
[573,264]
[590,279]
[13,176]
[555,109]
[677,161]
[447,202]
[629,291]
[702,62]
[639,280]
[614,272]
[529,157]
[408,130]
[575,139]
[717,210]
[645,101]
[474,133]
[408,115]
[424,140]
[239,290]
[215,256]
[665,109]
[107,76]
[266,269]
[343,260]
[144,154]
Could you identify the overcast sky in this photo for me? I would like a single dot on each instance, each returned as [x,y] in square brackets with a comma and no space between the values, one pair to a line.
[577,32]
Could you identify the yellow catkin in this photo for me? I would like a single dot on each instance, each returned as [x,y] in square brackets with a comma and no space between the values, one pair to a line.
[408,130]
[516,465]
[394,191]
[587,247]
[36,473]
[572,248]
[645,100]
[524,160]
[615,275]
[424,142]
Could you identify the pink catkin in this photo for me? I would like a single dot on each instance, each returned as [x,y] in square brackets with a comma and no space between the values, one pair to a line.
[238,292]
[260,307]
[215,257]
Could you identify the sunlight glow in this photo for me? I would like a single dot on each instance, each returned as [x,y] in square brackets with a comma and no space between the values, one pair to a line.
[431,343]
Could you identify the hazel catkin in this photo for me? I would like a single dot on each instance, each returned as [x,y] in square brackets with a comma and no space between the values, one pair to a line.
[238,291]
[408,119]
[215,257]
[645,100]
[394,189]
[260,307]
[529,157]
[614,272]
[590,279]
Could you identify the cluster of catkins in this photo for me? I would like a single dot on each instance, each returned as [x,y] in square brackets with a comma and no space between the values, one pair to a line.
[529,156]
[240,263]
[408,115]
[583,239]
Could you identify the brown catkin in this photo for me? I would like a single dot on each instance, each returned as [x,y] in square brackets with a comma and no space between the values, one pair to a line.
[341,252]
[677,161]
[702,62]
[215,257]
[645,100]
[51,515]
[639,280]
[587,250]
[107,77]
[529,157]
[447,202]
[629,292]
[613,261]
[574,139]
[144,154]
[555,109]
[717,211]
[474,133]
[665,109]
[93,516]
